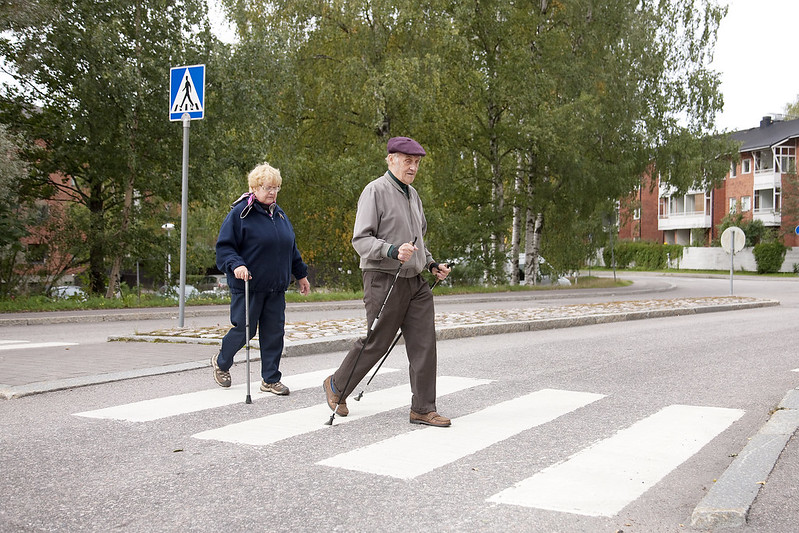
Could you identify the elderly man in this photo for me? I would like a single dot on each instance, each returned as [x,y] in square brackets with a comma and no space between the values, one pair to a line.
[389,231]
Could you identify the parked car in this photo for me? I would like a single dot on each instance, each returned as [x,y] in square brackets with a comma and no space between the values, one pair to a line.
[173,291]
[215,283]
[67,291]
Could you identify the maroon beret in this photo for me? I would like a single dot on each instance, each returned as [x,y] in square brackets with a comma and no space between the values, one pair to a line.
[404,145]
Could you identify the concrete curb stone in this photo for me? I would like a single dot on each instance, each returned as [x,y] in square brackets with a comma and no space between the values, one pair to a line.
[727,503]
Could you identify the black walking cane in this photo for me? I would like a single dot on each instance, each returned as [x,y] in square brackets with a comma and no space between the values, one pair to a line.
[248,399]
[396,340]
[366,341]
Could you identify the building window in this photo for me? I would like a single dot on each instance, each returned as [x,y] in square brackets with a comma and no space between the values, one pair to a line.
[764,160]
[777,200]
[746,203]
[733,203]
[785,159]
[35,254]
[746,166]
[733,169]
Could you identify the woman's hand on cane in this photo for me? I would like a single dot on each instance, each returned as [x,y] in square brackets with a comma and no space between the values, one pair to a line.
[241,272]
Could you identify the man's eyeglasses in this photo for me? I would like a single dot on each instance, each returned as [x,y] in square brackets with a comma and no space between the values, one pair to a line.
[268,189]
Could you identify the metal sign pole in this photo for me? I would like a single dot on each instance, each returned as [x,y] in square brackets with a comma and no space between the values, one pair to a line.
[184,210]
[732,262]
[186,102]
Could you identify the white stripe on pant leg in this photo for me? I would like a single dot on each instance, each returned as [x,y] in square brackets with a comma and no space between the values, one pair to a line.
[400,456]
[273,428]
[604,478]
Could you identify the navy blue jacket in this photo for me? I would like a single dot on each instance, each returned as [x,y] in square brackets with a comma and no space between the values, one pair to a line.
[262,242]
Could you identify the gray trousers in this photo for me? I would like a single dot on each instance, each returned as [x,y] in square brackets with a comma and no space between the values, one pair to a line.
[409,307]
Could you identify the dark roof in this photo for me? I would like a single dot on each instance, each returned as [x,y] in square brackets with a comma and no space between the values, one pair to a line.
[770,133]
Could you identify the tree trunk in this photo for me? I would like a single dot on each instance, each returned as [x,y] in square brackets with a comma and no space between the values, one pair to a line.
[127,205]
[116,265]
[535,224]
[517,227]
[96,239]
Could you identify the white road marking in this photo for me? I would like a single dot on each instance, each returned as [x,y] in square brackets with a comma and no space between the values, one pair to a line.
[273,428]
[399,456]
[604,478]
[17,345]
[157,408]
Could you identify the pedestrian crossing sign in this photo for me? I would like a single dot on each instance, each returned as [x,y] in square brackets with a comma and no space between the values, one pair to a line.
[187,92]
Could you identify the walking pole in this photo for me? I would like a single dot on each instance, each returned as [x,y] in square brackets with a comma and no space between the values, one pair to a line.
[383,360]
[366,341]
[247,332]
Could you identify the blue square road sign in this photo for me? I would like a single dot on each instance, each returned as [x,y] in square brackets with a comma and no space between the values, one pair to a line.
[187,92]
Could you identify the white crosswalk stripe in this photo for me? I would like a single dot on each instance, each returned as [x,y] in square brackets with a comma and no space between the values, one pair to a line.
[157,408]
[604,478]
[600,480]
[399,456]
[17,345]
[273,428]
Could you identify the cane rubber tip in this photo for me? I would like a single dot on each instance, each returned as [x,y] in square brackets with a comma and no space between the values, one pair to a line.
[248,400]
[329,422]
[358,398]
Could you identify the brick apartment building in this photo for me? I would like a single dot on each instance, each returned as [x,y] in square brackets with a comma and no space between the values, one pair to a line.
[753,186]
[43,263]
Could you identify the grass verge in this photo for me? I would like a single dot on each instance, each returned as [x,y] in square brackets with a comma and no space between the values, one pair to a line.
[134,301]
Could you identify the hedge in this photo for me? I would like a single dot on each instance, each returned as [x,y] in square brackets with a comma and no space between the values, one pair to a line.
[769,256]
[642,255]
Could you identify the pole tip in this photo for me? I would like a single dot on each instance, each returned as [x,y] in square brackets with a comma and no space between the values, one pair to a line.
[358,398]
[248,399]
[330,420]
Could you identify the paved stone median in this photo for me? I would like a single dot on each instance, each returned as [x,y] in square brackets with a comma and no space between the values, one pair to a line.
[476,322]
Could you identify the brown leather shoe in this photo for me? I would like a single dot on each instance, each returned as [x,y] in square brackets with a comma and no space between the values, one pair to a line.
[430,419]
[332,399]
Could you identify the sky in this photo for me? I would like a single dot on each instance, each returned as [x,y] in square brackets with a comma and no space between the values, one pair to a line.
[756,59]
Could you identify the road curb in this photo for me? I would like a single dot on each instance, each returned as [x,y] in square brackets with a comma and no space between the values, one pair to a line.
[8,392]
[727,503]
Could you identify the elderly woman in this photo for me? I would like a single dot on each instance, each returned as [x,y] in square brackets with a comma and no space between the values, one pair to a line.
[256,242]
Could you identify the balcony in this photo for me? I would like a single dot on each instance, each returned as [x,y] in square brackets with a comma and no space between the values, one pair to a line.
[684,220]
[768,216]
[767,178]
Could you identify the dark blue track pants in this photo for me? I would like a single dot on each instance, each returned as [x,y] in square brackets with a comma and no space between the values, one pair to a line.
[268,313]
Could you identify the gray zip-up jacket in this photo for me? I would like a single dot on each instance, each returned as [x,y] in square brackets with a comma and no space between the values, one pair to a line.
[386,217]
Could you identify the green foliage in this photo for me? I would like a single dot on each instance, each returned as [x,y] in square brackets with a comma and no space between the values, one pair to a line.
[699,237]
[754,230]
[642,255]
[569,242]
[550,107]
[93,79]
[15,209]
[769,256]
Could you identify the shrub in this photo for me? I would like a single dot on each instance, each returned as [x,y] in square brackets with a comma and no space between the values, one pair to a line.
[769,256]
[642,255]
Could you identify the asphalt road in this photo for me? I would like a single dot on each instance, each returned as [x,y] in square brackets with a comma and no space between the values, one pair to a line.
[629,424]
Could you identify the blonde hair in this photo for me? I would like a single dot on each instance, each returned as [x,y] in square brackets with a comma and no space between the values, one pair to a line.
[264,174]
